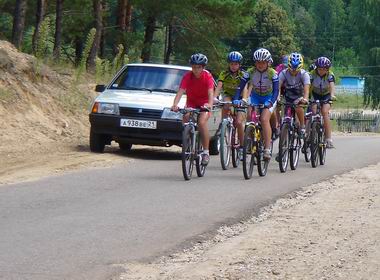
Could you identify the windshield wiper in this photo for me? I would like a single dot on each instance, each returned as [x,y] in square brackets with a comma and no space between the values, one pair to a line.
[164,90]
[136,88]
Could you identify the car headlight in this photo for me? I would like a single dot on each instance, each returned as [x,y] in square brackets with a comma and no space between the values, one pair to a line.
[106,108]
[169,114]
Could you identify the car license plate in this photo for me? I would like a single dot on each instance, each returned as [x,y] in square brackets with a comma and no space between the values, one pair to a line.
[138,123]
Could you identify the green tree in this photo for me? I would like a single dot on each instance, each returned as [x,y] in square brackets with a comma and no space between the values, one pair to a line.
[366,17]
[271,29]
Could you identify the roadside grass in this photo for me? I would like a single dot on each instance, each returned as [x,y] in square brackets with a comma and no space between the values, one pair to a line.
[75,100]
[349,102]
[7,95]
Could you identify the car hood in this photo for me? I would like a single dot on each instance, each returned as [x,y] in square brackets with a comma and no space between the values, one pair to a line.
[140,99]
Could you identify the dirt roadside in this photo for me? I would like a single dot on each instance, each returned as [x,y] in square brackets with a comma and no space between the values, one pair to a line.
[329,230]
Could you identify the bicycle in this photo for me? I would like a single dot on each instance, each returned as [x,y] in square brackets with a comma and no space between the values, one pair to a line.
[317,135]
[253,148]
[290,139]
[229,138]
[306,143]
[191,144]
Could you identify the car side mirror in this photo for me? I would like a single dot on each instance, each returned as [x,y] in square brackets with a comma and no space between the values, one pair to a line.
[100,88]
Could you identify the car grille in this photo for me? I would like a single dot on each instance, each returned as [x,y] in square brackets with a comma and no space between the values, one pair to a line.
[140,113]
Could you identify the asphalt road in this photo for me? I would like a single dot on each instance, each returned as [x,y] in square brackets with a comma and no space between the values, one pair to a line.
[83,224]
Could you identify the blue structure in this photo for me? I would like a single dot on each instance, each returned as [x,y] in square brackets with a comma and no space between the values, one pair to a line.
[354,82]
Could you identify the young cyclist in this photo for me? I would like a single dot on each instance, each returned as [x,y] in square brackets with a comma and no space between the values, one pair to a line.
[199,87]
[230,81]
[323,89]
[296,83]
[263,86]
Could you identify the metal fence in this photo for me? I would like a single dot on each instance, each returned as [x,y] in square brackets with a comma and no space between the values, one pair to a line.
[357,121]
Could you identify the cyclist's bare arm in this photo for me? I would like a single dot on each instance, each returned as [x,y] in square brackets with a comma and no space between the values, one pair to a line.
[306,90]
[247,90]
[218,89]
[177,98]
[332,89]
[210,97]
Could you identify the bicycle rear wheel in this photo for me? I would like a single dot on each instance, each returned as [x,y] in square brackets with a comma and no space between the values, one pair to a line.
[235,148]
[187,152]
[283,148]
[201,169]
[314,144]
[225,144]
[295,151]
[262,164]
[322,146]
[248,152]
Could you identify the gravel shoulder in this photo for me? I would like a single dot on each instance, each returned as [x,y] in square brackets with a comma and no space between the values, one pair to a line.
[328,230]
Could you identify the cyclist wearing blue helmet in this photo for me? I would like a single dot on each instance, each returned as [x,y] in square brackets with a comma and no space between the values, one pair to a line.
[296,82]
[231,82]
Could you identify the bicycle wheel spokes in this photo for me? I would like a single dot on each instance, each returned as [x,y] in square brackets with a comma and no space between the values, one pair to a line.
[201,169]
[322,147]
[248,152]
[187,153]
[283,153]
[225,144]
[314,144]
[235,148]
[295,151]
[262,164]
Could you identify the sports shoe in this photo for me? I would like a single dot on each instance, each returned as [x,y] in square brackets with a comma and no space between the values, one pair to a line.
[329,144]
[267,154]
[205,159]
[277,158]
[241,154]
[302,133]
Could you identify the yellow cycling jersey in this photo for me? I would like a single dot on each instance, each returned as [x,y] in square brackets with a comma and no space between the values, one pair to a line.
[230,82]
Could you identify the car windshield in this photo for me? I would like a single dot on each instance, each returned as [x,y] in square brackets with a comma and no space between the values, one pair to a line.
[150,78]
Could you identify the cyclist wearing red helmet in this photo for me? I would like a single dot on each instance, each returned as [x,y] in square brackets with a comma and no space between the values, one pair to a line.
[199,87]
[323,89]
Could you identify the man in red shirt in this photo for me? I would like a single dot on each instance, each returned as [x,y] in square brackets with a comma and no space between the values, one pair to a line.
[199,87]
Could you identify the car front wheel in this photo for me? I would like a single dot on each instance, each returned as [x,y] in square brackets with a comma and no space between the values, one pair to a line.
[97,142]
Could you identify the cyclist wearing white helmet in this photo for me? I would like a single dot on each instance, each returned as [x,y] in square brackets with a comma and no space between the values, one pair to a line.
[323,89]
[296,82]
[263,89]
[198,84]
[229,82]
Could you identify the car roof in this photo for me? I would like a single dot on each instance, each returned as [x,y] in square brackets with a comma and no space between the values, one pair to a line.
[160,65]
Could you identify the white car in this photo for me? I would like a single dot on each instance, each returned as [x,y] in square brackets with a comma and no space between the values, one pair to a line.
[135,109]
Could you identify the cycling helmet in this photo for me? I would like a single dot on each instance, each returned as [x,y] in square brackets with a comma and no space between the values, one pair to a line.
[323,62]
[199,59]
[235,57]
[295,61]
[285,59]
[262,55]
[312,67]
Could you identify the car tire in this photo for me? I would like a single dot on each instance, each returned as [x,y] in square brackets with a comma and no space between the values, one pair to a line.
[215,146]
[97,142]
[125,147]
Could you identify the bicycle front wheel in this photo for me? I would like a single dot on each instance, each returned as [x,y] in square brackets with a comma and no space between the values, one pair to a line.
[295,151]
[235,148]
[225,144]
[314,144]
[249,150]
[322,146]
[283,148]
[201,169]
[187,152]
[262,164]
